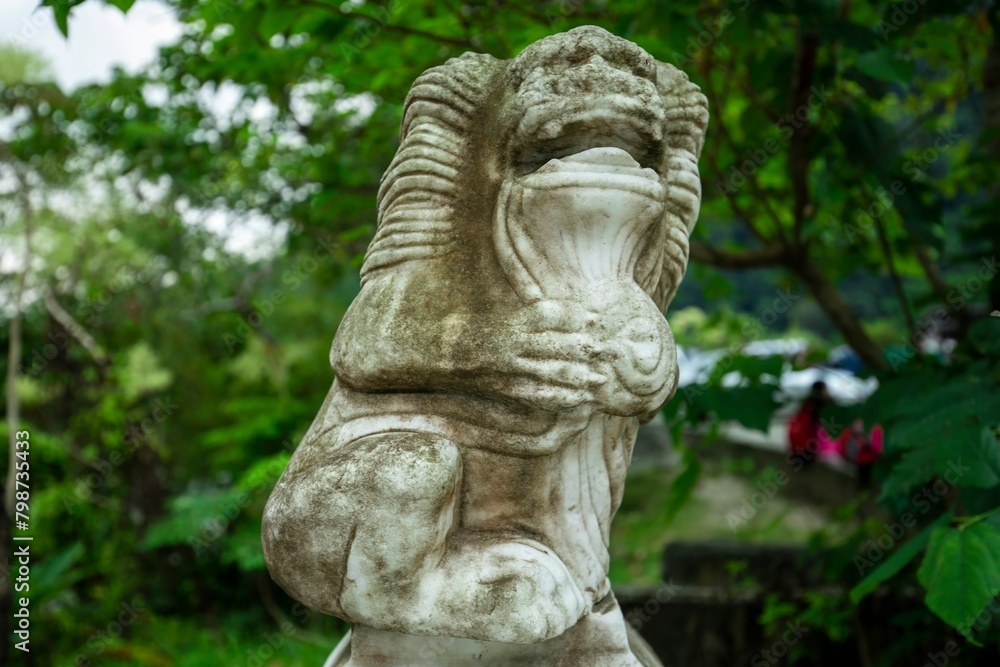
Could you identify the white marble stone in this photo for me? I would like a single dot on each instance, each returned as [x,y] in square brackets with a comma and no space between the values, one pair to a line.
[454,496]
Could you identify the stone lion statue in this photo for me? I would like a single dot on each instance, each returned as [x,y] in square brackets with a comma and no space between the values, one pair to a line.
[453,497]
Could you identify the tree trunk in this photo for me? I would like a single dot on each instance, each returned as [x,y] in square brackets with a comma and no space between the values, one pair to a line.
[991,122]
[839,312]
[13,424]
[897,282]
[825,292]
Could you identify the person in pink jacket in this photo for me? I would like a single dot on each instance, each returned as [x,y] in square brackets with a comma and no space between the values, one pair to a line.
[861,448]
[808,439]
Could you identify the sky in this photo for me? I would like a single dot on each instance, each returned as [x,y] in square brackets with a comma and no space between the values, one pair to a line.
[100,37]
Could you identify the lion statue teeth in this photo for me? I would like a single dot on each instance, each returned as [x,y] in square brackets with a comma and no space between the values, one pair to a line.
[454,495]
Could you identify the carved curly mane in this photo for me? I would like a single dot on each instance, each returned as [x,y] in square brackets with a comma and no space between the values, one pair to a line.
[417,196]
[685,121]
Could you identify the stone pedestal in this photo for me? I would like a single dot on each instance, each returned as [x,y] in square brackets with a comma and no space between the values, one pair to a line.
[600,638]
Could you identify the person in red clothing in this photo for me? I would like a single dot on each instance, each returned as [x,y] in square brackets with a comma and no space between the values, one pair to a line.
[861,448]
[806,435]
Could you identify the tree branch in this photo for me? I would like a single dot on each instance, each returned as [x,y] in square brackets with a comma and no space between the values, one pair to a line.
[239,302]
[75,329]
[758,102]
[723,131]
[455,41]
[713,159]
[772,255]
[839,311]
[929,267]
[446,39]
[897,282]
[798,152]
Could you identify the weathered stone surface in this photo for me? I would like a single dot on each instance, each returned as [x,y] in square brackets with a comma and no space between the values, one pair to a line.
[454,495]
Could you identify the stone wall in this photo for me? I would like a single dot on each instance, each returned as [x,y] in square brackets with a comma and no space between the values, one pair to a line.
[706,614]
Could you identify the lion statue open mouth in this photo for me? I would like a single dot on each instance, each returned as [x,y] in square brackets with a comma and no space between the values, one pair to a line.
[454,495]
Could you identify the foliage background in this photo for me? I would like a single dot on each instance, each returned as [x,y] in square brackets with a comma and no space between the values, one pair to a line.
[179,246]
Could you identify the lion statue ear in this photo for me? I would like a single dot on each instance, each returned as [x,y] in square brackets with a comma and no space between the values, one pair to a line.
[684,135]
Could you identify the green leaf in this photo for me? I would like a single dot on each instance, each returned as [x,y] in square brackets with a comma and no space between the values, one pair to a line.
[143,373]
[275,20]
[985,336]
[61,12]
[852,34]
[123,5]
[919,207]
[908,474]
[961,572]
[198,516]
[683,485]
[987,455]
[264,473]
[243,548]
[884,65]
[750,367]
[942,426]
[751,406]
[966,455]
[55,574]
[892,565]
